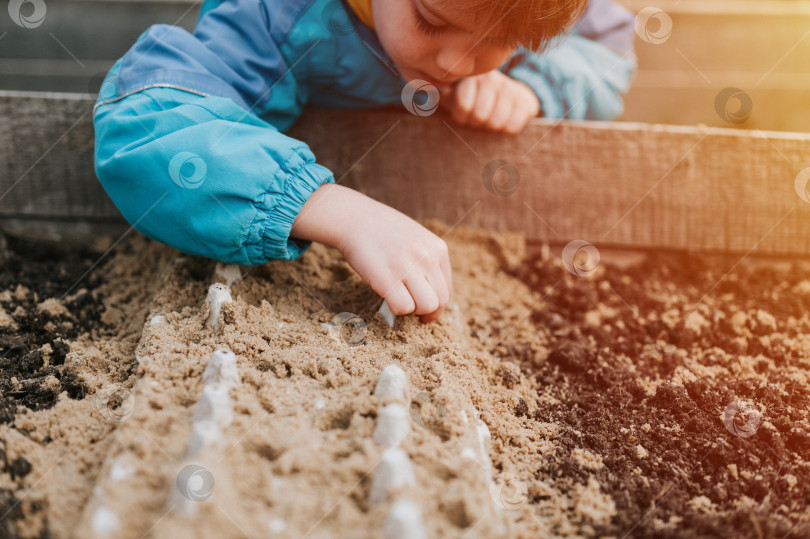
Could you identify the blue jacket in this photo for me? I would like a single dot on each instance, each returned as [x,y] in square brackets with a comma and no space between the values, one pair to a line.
[189,127]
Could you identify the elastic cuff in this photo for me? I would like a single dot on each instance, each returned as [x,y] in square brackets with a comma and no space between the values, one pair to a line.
[551,107]
[269,234]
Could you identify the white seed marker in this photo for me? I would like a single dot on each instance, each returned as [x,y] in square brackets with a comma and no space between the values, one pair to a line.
[404,521]
[394,475]
[104,522]
[213,412]
[393,425]
[386,313]
[478,440]
[392,386]
[218,295]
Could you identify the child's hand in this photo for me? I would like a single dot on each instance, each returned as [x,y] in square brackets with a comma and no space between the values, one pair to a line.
[400,259]
[492,100]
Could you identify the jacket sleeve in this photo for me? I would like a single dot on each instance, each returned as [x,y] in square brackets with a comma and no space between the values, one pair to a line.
[583,75]
[183,152]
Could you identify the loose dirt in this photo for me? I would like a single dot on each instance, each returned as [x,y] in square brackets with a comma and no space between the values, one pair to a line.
[669,397]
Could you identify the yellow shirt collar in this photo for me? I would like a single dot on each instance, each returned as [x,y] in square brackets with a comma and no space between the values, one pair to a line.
[362,8]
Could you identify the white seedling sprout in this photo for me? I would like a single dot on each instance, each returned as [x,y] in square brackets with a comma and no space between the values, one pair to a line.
[214,409]
[218,295]
[386,313]
[392,385]
[221,369]
[229,273]
[203,434]
[393,473]
[104,522]
[393,425]
[404,521]
[214,405]
[484,438]
[213,412]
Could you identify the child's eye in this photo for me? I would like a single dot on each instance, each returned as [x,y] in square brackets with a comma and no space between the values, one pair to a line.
[425,26]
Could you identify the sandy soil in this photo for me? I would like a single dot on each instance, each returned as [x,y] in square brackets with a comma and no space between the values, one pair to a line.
[668,398]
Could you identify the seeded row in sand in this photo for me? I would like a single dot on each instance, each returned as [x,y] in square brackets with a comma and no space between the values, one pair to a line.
[307,437]
[541,403]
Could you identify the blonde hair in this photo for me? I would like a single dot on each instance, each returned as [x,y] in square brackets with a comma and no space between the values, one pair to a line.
[513,23]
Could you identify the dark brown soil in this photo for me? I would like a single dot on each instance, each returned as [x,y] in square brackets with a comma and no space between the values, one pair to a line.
[754,486]
[33,353]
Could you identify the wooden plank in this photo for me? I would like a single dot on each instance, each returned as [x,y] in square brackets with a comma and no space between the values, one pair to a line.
[612,184]
[759,46]
[621,184]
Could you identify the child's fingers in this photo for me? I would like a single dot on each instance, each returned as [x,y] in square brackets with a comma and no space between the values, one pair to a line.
[436,280]
[399,300]
[439,282]
[423,295]
[464,100]
[485,100]
[444,264]
[518,120]
[502,113]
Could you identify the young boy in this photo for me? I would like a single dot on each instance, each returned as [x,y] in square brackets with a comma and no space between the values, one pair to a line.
[189,141]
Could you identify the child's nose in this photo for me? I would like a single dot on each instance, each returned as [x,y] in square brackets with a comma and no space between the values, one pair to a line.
[455,63]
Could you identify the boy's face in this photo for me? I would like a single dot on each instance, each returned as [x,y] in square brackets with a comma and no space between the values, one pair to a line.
[426,42]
